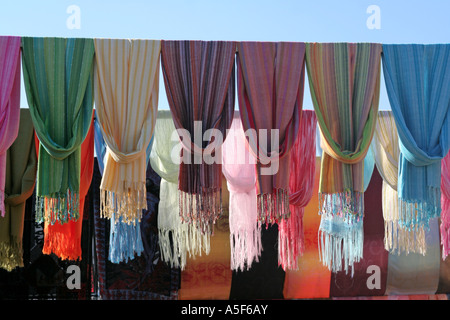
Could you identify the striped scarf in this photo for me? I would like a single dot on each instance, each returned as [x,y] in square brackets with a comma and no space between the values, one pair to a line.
[417,81]
[58,82]
[126,100]
[344,81]
[199,82]
[270,93]
[445,203]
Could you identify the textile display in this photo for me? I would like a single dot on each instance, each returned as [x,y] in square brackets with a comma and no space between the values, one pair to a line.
[21,166]
[126,100]
[417,81]
[57,75]
[271,79]
[238,167]
[344,81]
[9,103]
[445,204]
[302,161]
[177,239]
[199,82]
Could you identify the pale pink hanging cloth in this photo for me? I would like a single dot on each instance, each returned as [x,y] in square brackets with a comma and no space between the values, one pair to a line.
[445,205]
[302,167]
[239,168]
[9,103]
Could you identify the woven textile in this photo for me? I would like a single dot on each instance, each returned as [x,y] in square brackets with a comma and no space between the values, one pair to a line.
[445,203]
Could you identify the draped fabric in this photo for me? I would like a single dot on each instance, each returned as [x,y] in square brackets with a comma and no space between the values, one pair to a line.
[417,81]
[9,103]
[58,83]
[64,240]
[176,238]
[126,100]
[270,93]
[199,82]
[238,167]
[445,204]
[302,162]
[344,81]
[21,166]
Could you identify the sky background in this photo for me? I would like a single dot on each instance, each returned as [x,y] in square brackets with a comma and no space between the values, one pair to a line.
[402,21]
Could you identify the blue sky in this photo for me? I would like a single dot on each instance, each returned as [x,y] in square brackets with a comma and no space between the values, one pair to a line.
[402,21]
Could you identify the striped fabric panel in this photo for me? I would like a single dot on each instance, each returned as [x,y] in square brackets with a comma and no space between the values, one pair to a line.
[126,99]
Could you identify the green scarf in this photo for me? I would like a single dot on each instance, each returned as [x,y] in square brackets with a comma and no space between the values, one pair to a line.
[58,82]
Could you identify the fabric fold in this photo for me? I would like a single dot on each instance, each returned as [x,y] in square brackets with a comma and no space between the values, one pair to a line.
[58,83]
[445,204]
[126,100]
[270,93]
[200,87]
[345,83]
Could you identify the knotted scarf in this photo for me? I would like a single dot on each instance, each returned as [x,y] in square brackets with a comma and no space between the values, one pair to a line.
[199,82]
[64,240]
[302,167]
[417,81]
[344,81]
[21,166]
[270,93]
[9,103]
[176,238]
[58,82]
[445,203]
[238,167]
[126,101]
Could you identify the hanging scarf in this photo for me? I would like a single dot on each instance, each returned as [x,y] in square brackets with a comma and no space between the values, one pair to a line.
[126,100]
[344,81]
[58,82]
[238,167]
[418,85]
[21,168]
[9,103]
[176,238]
[302,168]
[64,240]
[270,93]
[199,81]
[445,203]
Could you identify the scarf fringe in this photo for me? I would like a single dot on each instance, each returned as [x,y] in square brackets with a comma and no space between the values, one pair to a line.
[126,205]
[125,241]
[445,227]
[2,203]
[203,209]
[273,207]
[348,205]
[291,243]
[63,246]
[11,255]
[246,248]
[58,207]
[398,240]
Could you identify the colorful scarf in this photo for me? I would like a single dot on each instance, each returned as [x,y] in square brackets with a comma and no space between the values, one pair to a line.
[58,82]
[126,100]
[270,93]
[418,85]
[302,162]
[176,238]
[64,240]
[200,87]
[344,81]
[21,168]
[238,167]
[445,203]
[9,103]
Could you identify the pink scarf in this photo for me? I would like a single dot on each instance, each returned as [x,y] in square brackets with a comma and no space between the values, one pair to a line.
[445,204]
[238,167]
[302,167]
[9,103]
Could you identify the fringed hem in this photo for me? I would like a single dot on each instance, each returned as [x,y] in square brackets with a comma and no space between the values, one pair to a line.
[291,243]
[341,251]
[11,255]
[273,207]
[127,205]
[445,238]
[412,213]
[60,207]
[63,246]
[246,248]
[2,203]
[398,240]
[125,241]
[202,209]
[348,205]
